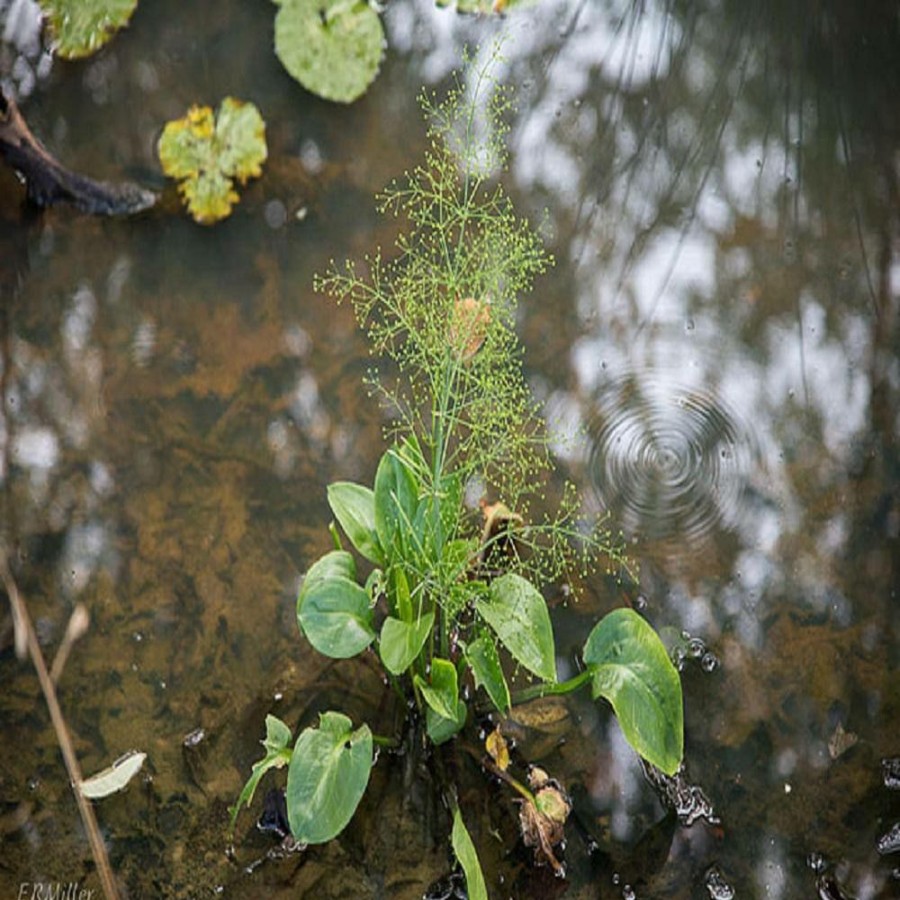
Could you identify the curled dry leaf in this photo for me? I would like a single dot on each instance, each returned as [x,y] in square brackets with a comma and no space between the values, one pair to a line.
[497,540]
[543,821]
[495,744]
[469,326]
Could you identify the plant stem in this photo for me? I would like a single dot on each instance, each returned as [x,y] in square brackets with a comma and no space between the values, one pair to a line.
[547,690]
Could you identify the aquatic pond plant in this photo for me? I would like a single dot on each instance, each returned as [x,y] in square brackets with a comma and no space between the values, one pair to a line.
[451,597]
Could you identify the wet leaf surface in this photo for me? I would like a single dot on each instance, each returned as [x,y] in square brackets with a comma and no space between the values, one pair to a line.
[332,47]
[82,27]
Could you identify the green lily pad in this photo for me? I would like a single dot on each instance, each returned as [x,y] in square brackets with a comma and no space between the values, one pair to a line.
[332,47]
[82,27]
[207,153]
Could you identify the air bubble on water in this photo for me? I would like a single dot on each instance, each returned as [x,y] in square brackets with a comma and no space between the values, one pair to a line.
[816,861]
[689,326]
[641,603]
[716,885]
[709,662]
[678,658]
[628,893]
[696,647]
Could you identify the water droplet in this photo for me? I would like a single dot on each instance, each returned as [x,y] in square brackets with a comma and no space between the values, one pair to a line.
[641,603]
[628,893]
[709,662]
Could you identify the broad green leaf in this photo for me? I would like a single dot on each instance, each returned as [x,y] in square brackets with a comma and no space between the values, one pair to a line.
[402,641]
[353,506]
[441,729]
[518,615]
[278,736]
[327,777]
[333,564]
[481,655]
[442,693]
[396,501]
[335,616]
[206,154]
[82,27]
[631,669]
[332,47]
[464,850]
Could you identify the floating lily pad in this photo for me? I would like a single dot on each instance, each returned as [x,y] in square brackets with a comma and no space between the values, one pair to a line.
[206,154]
[332,47]
[82,27]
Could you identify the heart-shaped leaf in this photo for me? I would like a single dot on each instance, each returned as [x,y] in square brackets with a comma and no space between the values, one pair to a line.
[518,615]
[401,641]
[631,669]
[332,47]
[327,776]
[334,614]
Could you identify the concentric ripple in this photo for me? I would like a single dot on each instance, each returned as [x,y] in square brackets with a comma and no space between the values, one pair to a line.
[669,461]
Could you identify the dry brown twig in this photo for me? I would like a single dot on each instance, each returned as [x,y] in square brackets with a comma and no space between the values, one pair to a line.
[27,639]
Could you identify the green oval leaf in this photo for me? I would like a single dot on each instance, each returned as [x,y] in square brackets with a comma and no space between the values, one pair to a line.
[82,27]
[441,729]
[353,506]
[206,154]
[518,615]
[481,655]
[631,669]
[396,501]
[442,693]
[401,641]
[335,616]
[332,47]
[464,850]
[327,776]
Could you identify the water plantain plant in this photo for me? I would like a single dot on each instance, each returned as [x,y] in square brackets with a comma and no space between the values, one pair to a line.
[452,596]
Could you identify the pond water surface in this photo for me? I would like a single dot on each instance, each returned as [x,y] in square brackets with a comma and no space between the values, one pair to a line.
[721,183]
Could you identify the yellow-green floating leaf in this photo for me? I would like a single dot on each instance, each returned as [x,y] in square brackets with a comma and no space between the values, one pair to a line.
[206,153]
[332,47]
[82,27]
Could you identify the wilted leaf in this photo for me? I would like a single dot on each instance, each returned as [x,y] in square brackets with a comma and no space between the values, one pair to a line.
[469,326]
[840,741]
[82,27]
[332,47]
[206,154]
[497,749]
[113,778]
[327,777]
[543,821]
